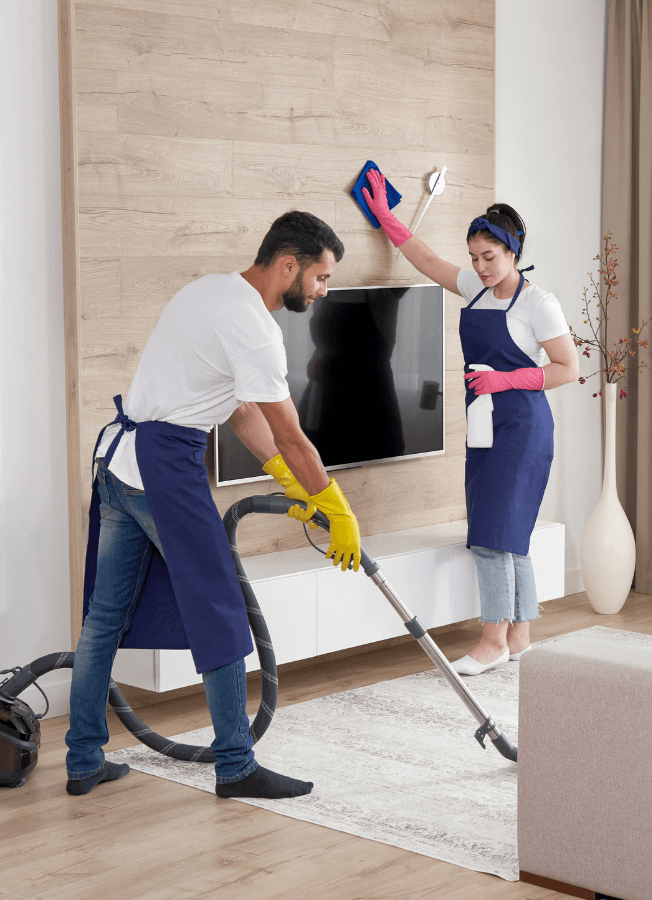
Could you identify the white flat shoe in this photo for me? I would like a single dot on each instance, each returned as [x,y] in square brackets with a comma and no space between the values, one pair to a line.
[519,655]
[469,666]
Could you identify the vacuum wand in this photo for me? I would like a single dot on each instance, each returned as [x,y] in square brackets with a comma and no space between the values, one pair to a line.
[279,504]
[419,633]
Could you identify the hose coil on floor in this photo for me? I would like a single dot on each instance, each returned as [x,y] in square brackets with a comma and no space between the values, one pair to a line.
[187,752]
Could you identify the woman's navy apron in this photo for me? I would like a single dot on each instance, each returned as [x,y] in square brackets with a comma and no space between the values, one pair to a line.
[505,483]
[192,599]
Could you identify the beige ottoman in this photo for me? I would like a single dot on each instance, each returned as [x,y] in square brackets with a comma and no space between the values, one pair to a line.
[585,767]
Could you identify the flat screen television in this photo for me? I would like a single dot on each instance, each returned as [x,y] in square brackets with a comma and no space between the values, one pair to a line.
[366,373]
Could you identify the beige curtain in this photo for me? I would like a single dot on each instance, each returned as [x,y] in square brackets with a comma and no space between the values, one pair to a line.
[627,213]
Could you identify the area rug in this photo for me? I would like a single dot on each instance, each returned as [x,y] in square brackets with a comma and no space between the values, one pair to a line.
[394,762]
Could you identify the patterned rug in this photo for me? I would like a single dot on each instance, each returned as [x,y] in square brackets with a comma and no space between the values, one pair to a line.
[394,762]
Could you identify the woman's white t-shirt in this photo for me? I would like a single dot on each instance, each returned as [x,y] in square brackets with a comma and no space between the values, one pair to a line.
[535,317]
[215,346]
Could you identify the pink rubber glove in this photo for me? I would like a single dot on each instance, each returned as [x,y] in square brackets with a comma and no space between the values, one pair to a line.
[395,230]
[494,382]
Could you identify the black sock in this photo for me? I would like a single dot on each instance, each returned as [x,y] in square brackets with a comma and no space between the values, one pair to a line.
[264,783]
[110,772]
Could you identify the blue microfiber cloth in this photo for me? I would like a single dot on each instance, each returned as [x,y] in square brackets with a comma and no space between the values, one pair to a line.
[393,196]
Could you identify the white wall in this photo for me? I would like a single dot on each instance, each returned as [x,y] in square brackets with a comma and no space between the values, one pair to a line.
[548,137]
[549,115]
[34,582]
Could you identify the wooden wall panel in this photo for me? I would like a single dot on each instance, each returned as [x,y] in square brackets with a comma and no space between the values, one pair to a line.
[348,18]
[214,107]
[188,126]
[97,99]
[71,310]
[150,165]
[137,42]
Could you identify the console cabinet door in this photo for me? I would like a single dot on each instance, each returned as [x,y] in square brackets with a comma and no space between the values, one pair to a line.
[175,669]
[136,667]
[289,605]
[311,613]
[548,552]
[352,611]
[465,602]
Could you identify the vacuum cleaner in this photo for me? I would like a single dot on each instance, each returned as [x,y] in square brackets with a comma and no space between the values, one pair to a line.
[20,728]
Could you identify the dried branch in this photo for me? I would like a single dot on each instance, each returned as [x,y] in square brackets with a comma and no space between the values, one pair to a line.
[613,367]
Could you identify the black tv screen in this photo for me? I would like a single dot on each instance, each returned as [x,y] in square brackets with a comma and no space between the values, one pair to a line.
[366,373]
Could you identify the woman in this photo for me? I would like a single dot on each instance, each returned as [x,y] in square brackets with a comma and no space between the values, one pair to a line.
[508,325]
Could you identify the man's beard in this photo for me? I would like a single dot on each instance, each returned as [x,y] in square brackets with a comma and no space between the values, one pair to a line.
[295,298]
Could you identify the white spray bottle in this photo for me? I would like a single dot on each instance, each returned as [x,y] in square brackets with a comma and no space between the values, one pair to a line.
[479,417]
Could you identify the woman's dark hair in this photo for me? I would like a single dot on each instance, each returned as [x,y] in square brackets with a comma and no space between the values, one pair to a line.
[508,219]
[298,234]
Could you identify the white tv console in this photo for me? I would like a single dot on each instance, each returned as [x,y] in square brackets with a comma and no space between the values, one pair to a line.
[312,608]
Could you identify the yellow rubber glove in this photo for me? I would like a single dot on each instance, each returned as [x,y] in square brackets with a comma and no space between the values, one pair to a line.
[277,468]
[345,534]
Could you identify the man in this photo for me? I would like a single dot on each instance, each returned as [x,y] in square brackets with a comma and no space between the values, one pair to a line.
[215,355]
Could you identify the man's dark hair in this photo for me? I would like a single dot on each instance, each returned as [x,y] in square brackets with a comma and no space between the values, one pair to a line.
[298,234]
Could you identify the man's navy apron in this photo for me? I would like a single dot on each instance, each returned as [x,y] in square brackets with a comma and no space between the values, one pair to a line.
[192,599]
[505,483]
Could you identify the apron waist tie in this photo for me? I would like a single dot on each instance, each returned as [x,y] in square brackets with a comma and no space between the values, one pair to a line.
[126,424]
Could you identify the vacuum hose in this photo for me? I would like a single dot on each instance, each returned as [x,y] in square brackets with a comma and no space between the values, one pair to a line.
[279,505]
[29,674]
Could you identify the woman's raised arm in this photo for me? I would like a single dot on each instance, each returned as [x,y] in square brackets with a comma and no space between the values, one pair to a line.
[413,249]
[429,264]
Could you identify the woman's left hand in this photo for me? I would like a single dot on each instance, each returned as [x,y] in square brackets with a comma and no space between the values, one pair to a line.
[494,382]
[377,202]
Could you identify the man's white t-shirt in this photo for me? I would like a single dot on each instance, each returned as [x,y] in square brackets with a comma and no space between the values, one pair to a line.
[535,317]
[215,346]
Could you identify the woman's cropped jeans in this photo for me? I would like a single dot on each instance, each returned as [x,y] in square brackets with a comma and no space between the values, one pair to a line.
[507,589]
[124,551]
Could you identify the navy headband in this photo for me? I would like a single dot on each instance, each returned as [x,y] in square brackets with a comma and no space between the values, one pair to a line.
[505,237]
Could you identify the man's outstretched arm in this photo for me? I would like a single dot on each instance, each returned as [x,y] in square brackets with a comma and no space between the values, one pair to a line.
[267,429]
[299,453]
[250,427]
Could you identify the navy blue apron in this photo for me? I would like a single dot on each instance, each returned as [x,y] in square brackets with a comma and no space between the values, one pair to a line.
[192,599]
[506,482]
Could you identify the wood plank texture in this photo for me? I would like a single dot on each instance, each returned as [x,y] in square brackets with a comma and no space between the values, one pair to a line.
[138,42]
[214,107]
[178,225]
[71,312]
[121,164]
[198,122]
[348,18]
[97,100]
[397,70]
[218,10]
[144,838]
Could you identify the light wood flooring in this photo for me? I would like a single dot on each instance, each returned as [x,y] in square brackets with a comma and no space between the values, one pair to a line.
[144,838]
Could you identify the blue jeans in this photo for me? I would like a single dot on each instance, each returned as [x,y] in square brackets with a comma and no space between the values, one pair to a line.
[127,533]
[507,588]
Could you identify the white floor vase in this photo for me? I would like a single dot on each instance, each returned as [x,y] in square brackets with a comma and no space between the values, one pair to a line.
[608,553]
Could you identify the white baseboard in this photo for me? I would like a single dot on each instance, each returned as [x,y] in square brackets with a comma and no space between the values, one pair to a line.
[574,583]
[57,687]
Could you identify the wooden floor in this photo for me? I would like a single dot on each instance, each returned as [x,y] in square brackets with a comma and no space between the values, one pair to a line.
[143,838]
